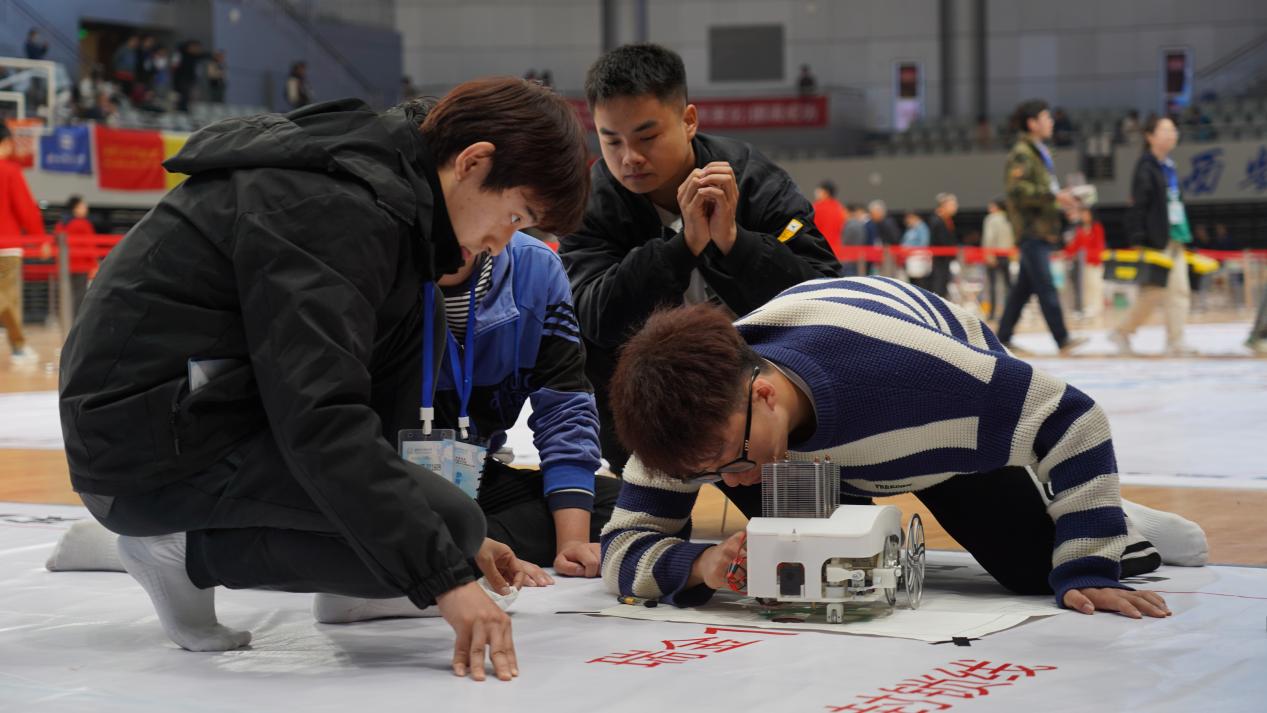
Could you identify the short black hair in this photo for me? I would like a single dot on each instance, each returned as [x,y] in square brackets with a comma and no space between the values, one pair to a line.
[637,70]
[1150,124]
[1026,110]
[829,187]
[539,140]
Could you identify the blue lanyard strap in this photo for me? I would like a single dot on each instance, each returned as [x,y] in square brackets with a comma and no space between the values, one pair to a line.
[1172,178]
[1047,160]
[461,365]
[465,369]
[427,413]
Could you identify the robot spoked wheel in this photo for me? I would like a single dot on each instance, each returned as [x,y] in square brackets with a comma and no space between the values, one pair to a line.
[913,562]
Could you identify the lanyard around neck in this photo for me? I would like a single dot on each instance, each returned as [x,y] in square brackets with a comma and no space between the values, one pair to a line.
[1172,176]
[461,365]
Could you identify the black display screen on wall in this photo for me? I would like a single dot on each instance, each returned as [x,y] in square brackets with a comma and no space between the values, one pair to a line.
[745,53]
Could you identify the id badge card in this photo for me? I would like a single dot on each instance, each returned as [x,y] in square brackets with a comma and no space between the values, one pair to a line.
[1175,212]
[432,451]
[468,466]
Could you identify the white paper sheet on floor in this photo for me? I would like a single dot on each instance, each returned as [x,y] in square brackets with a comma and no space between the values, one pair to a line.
[90,642]
[942,616]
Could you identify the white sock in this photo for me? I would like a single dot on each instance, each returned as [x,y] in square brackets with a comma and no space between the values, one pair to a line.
[86,546]
[187,613]
[1178,540]
[338,609]
[505,601]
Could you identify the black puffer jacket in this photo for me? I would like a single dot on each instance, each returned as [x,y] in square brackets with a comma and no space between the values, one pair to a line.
[1147,221]
[299,246]
[623,263]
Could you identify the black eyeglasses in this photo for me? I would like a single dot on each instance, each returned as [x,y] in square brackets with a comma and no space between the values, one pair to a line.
[742,464]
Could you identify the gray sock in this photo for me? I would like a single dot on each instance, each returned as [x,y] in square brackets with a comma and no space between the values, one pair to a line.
[86,546]
[187,613]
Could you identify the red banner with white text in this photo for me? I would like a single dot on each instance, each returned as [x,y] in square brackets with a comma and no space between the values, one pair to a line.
[129,160]
[756,113]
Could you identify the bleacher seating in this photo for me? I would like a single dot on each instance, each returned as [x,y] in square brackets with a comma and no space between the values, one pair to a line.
[199,115]
[1233,119]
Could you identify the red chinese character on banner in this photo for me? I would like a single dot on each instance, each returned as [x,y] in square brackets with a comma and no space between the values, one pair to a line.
[932,686]
[889,704]
[706,643]
[987,671]
[959,680]
[647,659]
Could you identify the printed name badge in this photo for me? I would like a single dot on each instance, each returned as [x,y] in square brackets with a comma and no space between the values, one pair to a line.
[433,451]
[468,466]
[1176,213]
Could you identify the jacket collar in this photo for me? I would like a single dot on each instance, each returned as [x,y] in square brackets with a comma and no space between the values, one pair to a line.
[431,222]
[499,306]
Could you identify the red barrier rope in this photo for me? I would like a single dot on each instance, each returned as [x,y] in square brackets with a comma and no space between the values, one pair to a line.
[976,255]
[41,252]
[87,252]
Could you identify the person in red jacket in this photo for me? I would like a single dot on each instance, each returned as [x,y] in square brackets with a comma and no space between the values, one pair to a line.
[75,223]
[1089,240]
[18,215]
[76,220]
[829,215]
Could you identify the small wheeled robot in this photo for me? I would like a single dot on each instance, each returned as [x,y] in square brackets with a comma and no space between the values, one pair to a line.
[827,553]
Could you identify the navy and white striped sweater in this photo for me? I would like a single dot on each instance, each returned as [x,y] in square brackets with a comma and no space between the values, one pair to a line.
[909,390]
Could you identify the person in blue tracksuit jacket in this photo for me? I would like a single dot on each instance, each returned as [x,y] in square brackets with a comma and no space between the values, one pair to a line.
[527,347]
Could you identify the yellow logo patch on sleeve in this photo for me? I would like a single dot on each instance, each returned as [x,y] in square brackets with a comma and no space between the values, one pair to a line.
[793,227]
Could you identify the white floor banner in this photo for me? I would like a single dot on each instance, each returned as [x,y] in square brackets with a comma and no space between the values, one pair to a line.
[81,641]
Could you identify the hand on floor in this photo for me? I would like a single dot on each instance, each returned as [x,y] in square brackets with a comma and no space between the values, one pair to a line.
[1124,601]
[506,571]
[483,632]
[578,559]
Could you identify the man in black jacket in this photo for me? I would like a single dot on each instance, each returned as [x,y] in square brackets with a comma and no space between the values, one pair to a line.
[233,388]
[675,216]
[941,227]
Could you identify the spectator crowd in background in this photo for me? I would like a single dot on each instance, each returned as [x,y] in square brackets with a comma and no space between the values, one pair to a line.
[148,76]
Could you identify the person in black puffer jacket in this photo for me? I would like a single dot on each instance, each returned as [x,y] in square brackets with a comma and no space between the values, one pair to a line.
[232,390]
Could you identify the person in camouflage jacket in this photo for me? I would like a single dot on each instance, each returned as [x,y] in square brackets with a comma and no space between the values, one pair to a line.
[1034,202]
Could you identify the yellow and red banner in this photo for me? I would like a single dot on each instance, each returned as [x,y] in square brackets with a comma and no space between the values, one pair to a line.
[129,160]
[172,144]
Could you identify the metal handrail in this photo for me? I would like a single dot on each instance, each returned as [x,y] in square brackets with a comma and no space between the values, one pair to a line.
[46,26]
[1232,57]
[366,84]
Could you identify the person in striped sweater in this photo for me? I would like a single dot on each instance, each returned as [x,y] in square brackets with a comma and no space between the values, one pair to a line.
[906,392]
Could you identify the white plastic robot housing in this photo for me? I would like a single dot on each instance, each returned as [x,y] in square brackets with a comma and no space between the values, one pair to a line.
[853,556]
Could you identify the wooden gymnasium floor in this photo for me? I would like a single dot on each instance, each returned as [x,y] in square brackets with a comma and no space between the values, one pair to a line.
[1233,519]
